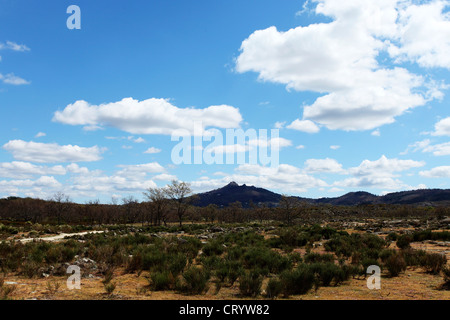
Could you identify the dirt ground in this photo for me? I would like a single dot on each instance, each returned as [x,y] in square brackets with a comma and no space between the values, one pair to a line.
[414,284]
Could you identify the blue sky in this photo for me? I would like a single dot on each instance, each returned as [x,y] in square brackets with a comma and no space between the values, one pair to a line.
[358,91]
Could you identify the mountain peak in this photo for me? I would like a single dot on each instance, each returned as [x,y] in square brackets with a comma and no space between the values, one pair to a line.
[249,194]
[233,184]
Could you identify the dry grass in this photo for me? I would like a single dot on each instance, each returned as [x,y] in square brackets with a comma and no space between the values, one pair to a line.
[413,284]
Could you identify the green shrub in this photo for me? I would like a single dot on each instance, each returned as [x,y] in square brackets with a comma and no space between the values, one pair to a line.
[213,248]
[446,275]
[250,284]
[265,260]
[195,281]
[392,236]
[291,238]
[228,271]
[160,281]
[317,257]
[433,262]
[395,264]
[295,257]
[404,242]
[328,272]
[210,263]
[298,281]
[29,269]
[367,262]
[413,257]
[235,253]
[176,263]
[386,254]
[274,288]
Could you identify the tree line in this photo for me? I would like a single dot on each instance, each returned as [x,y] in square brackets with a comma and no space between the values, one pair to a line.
[175,203]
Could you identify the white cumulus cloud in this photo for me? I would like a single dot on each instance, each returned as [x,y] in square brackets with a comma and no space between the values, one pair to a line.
[51,152]
[152,116]
[339,59]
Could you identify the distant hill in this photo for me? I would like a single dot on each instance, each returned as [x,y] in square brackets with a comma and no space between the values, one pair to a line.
[249,194]
[233,192]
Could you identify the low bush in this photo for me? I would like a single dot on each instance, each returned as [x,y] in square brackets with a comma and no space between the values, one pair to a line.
[395,264]
[250,284]
[317,257]
[329,272]
[160,281]
[195,281]
[404,241]
[274,288]
[446,275]
[433,262]
[228,271]
[266,260]
[299,281]
[413,258]
[213,248]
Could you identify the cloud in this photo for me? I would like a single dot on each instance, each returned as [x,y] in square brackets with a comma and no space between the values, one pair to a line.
[323,166]
[379,174]
[304,125]
[335,147]
[376,133]
[153,150]
[140,169]
[165,177]
[51,152]
[139,140]
[423,34]
[438,172]
[274,143]
[442,149]
[9,45]
[40,134]
[279,125]
[384,166]
[26,170]
[339,60]
[13,79]
[228,149]
[74,168]
[152,116]
[442,128]
[39,186]
[99,183]
[128,179]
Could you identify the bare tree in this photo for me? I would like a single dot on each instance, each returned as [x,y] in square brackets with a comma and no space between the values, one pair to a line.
[61,203]
[158,200]
[179,193]
[130,204]
[211,212]
[290,208]
[235,210]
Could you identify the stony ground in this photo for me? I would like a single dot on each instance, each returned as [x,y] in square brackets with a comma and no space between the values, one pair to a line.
[413,284]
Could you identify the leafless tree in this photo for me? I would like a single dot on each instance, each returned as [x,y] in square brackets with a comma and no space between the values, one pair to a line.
[158,203]
[179,193]
[290,208]
[61,203]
